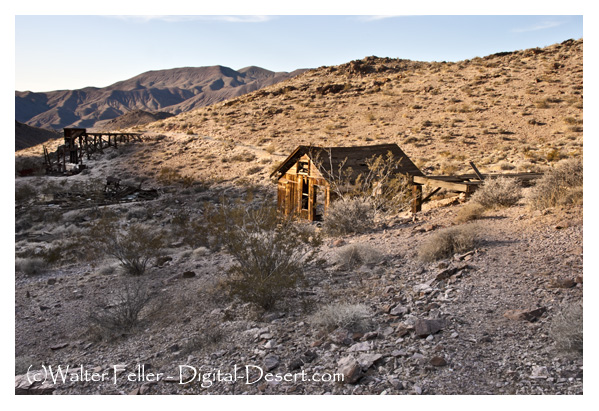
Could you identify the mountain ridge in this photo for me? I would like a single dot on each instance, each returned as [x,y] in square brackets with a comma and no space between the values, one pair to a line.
[172,90]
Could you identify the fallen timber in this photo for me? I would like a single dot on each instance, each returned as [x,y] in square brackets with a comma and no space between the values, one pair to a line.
[78,142]
[463,183]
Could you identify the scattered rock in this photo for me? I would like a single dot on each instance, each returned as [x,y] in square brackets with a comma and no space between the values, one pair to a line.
[562,283]
[271,362]
[366,360]
[189,274]
[161,261]
[350,368]
[361,346]
[399,310]
[59,346]
[531,315]
[26,386]
[424,328]
[539,372]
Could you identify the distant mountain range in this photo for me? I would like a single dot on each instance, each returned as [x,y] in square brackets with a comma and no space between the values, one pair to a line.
[173,91]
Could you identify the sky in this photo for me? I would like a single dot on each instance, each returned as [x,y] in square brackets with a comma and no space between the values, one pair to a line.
[56,52]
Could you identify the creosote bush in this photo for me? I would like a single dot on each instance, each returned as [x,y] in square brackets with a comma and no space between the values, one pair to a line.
[566,328]
[352,317]
[133,246]
[120,310]
[449,241]
[270,252]
[498,192]
[560,186]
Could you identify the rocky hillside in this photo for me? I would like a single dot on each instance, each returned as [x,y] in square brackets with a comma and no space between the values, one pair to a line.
[173,91]
[132,119]
[27,136]
[508,111]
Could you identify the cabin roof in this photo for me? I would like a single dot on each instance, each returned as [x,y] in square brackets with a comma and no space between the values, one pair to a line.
[331,158]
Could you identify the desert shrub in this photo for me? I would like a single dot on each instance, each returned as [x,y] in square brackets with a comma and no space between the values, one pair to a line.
[270,252]
[353,317]
[498,192]
[24,192]
[134,246]
[560,186]
[209,337]
[345,216]
[447,242]
[120,310]
[469,212]
[30,266]
[354,255]
[567,328]
[169,175]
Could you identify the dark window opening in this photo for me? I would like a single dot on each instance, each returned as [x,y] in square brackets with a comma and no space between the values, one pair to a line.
[302,167]
[305,193]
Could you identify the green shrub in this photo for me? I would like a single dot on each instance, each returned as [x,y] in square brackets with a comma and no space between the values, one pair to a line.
[270,252]
[449,241]
[119,311]
[134,246]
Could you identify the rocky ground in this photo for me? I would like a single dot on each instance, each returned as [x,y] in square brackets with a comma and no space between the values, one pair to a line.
[478,323]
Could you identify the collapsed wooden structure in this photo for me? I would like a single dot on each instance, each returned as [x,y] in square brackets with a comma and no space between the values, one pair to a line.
[68,158]
[304,178]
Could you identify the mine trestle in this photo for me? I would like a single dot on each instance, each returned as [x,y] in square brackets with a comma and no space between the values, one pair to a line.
[78,142]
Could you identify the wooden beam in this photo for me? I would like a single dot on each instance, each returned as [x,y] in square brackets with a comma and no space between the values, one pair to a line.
[478,174]
[416,198]
[461,187]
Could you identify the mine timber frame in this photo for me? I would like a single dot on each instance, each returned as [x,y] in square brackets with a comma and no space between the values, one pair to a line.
[464,183]
[78,142]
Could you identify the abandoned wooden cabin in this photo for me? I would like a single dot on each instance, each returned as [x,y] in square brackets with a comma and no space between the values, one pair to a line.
[304,178]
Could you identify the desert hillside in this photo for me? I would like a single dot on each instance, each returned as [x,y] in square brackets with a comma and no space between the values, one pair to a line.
[183,260]
[173,91]
[27,136]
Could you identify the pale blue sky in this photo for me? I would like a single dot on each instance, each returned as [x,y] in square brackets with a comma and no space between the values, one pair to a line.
[55,52]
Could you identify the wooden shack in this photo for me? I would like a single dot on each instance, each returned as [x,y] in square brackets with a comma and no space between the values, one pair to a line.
[304,178]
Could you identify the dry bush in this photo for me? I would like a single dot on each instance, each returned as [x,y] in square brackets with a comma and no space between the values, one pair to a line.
[30,266]
[567,328]
[352,317]
[120,310]
[561,186]
[354,255]
[211,336]
[469,212]
[134,246]
[270,252]
[346,216]
[449,241]
[24,193]
[498,192]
